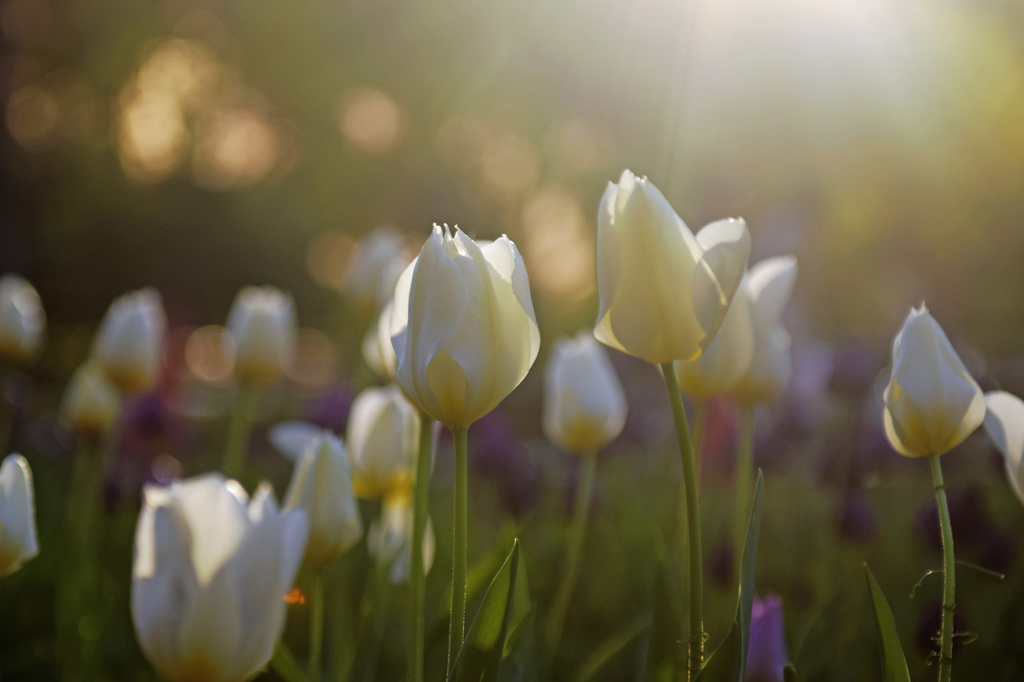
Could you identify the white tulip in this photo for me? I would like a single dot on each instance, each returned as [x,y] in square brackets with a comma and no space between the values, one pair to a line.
[1004,423]
[378,352]
[663,291]
[584,403]
[18,541]
[322,487]
[383,442]
[91,402]
[931,403]
[768,287]
[210,575]
[129,344]
[22,320]
[463,326]
[378,261]
[390,539]
[262,330]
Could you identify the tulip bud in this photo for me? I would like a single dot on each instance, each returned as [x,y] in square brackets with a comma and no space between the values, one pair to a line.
[767,654]
[390,539]
[768,286]
[321,486]
[931,403]
[1004,423]
[584,404]
[664,292]
[210,575]
[383,442]
[263,329]
[378,260]
[129,344]
[463,326]
[378,352]
[17,515]
[727,359]
[91,402]
[22,321]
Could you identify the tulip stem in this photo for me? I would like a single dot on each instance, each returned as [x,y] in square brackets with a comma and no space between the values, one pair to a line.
[744,484]
[417,577]
[457,627]
[238,431]
[696,641]
[316,624]
[573,551]
[949,579]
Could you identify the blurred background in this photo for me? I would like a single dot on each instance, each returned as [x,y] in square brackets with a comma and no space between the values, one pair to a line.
[201,145]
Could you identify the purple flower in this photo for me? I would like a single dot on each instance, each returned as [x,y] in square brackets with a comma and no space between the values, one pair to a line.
[767,654]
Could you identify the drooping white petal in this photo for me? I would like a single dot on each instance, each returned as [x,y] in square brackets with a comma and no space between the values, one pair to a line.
[292,439]
[1004,423]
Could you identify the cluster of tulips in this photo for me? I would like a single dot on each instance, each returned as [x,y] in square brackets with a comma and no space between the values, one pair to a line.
[455,335]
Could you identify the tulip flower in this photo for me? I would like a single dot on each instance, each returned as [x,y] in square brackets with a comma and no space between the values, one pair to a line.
[663,291]
[584,403]
[378,352]
[129,344]
[767,654]
[22,320]
[463,326]
[1004,423]
[263,330]
[389,539]
[383,441]
[375,266]
[91,402]
[767,286]
[210,574]
[17,515]
[465,335]
[930,406]
[322,487]
[931,403]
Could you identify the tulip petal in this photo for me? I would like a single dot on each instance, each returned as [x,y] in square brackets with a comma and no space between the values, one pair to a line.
[770,285]
[205,497]
[398,323]
[726,246]
[1004,423]
[292,439]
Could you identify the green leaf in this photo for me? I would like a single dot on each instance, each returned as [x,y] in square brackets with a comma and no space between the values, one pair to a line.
[729,661]
[789,673]
[480,657]
[284,664]
[893,661]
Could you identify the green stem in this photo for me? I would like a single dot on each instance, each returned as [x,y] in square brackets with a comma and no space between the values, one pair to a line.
[949,578]
[378,619]
[417,577]
[238,431]
[700,411]
[457,627]
[316,624]
[573,551]
[696,643]
[744,484]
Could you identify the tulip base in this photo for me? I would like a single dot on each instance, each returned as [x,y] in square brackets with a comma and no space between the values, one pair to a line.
[948,575]
[696,562]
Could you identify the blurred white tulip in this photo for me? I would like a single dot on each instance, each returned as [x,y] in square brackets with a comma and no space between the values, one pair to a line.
[129,343]
[211,572]
[1004,423]
[931,403]
[22,320]
[263,331]
[91,402]
[18,541]
[584,403]
[378,352]
[383,442]
[321,485]
[390,539]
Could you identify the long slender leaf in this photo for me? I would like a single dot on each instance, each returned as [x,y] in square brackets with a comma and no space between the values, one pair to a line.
[610,648]
[729,661]
[893,661]
[481,653]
